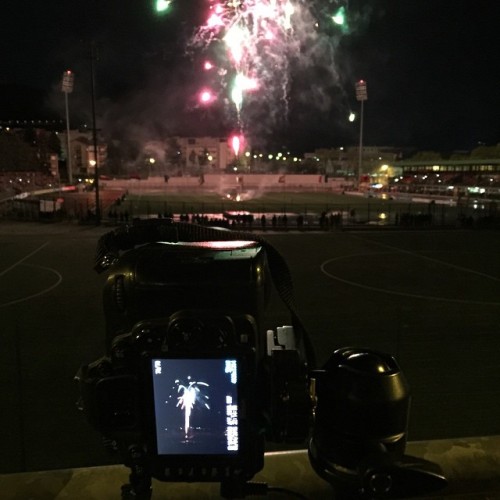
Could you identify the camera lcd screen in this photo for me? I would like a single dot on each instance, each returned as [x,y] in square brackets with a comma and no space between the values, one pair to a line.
[196,406]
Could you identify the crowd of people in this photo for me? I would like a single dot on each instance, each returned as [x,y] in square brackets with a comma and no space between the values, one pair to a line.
[246,221]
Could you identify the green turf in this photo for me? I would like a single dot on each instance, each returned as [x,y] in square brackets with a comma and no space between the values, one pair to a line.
[297,202]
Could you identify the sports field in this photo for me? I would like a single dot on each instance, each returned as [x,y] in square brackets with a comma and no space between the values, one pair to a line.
[129,201]
[279,202]
[382,209]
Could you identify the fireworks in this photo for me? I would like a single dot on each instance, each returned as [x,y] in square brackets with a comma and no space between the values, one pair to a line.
[190,395]
[254,47]
[236,143]
[252,41]
[162,5]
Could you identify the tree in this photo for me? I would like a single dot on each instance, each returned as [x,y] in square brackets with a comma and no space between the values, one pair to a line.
[309,166]
[173,154]
[486,152]
[203,158]
[192,157]
[426,155]
[54,143]
[459,156]
[115,157]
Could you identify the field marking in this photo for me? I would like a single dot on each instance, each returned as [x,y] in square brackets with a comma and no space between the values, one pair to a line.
[401,294]
[442,262]
[41,292]
[5,271]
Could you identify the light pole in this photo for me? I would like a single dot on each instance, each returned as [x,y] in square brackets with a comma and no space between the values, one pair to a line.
[94,134]
[67,83]
[385,172]
[151,162]
[361,96]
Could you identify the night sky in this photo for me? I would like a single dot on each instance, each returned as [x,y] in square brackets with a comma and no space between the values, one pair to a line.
[431,68]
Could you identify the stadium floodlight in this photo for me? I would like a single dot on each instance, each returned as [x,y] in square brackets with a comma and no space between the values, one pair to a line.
[67,83]
[361,96]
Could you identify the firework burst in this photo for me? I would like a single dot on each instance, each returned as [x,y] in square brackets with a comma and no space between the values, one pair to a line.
[190,395]
[251,49]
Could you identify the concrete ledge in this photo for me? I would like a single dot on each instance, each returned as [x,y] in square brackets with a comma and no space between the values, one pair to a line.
[472,466]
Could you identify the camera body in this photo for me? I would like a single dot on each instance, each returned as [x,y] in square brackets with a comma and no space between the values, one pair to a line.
[160,278]
[192,386]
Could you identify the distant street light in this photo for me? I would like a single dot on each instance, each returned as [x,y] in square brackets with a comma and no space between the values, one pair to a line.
[361,96]
[67,83]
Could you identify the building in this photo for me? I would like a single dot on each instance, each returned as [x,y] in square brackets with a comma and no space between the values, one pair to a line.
[212,154]
[344,161]
[468,176]
[82,154]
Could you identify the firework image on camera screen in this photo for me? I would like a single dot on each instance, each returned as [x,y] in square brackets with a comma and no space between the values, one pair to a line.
[196,406]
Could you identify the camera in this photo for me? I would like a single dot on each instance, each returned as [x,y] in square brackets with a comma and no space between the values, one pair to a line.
[193,385]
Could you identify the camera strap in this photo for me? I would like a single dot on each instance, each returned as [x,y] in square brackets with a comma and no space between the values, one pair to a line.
[141,232]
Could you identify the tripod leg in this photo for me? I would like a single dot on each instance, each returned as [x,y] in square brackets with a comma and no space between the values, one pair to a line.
[139,486]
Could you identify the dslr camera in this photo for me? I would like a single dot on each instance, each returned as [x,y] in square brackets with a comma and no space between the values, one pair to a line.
[193,385]
[191,388]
